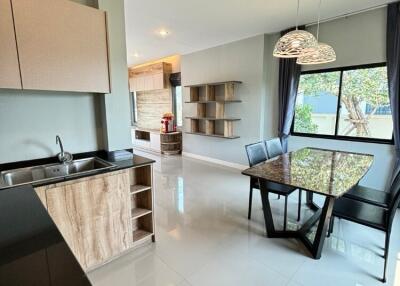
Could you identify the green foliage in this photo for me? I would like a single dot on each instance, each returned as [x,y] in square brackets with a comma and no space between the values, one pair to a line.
[303,121]
[313,84]
[359,87]
[369,85]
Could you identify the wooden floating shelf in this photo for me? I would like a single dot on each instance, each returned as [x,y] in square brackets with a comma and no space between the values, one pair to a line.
[215,101]
[139,188]
[139,212]
[213,83]
[140,234]
[213,135]
[213,118]
[170,143]
[208,121]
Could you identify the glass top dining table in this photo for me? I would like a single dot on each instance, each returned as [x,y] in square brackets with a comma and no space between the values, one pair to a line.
[330,173]
[327,172]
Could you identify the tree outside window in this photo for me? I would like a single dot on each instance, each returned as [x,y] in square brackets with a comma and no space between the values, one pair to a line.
[364,107]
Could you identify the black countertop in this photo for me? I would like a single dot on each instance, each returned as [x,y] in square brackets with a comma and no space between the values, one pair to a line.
[32,250]
[137,161]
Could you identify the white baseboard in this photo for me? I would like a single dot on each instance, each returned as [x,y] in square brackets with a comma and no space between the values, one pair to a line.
[215,161]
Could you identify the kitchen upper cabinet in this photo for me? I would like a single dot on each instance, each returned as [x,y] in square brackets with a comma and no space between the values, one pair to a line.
[150,77]
[93,215]
[62,46]
[9,69]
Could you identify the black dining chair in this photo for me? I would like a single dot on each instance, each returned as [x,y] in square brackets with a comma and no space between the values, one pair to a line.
[371,214]
[371,196]
[256,154]
[274,148]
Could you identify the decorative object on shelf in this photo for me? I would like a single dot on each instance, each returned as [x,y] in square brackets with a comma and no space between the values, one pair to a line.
[294,43]
[321,54]
[167,123]
[210,120]
[171,143]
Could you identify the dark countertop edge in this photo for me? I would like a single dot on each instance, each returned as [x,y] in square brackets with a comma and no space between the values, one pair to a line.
[102,154]
[30,229]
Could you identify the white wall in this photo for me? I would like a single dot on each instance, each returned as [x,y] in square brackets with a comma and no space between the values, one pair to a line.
[358,39]
[243,61]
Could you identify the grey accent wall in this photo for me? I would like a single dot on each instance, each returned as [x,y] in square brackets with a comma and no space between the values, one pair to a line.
[358,39]
[116,105]
[30,121]
[243,61]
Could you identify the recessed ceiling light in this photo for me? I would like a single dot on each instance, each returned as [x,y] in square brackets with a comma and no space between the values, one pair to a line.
[163,33]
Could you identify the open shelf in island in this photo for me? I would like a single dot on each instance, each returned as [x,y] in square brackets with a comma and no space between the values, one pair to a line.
[141,204]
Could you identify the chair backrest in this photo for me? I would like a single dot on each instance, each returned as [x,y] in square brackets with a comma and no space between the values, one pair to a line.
[256,153]
[394,201]
[274,147]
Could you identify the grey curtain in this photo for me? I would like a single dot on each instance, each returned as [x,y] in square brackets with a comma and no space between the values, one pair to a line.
[289,76]
[393,67]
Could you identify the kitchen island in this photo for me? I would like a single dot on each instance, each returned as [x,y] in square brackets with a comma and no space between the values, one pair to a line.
[93,218]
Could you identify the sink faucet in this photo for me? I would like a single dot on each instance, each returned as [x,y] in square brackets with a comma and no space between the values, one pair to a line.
[64,157]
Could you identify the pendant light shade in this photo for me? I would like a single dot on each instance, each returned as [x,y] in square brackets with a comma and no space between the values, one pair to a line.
[294,43]
[321,54]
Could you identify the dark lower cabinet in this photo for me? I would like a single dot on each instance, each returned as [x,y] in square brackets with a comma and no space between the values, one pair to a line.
[29,270]
[52,266]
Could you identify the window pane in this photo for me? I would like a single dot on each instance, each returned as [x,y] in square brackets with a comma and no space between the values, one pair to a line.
[178,107]
[316,103]
[365,108]
[134,107]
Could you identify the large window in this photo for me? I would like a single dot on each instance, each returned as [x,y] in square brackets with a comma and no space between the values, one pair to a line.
[347,103]
[134,112]
[177,100]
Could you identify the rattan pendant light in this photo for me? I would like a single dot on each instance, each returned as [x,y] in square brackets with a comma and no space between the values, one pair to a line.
[294,43]
[321,54]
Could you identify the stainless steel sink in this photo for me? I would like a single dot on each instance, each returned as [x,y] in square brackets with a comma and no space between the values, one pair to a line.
[48,172]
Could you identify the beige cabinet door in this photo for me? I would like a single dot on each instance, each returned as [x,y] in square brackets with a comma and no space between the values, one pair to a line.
[93,217]
[158,80]
[62,46]
[132,84]
[140,86]
[9,69]
[148,83]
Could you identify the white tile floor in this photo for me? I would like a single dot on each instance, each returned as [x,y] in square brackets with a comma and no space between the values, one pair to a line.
[204,238]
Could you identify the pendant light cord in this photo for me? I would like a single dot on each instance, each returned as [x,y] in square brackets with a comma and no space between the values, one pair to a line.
[297,15]
[319,18]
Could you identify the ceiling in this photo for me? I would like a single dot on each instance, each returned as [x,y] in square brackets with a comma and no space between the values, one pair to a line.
[195,25]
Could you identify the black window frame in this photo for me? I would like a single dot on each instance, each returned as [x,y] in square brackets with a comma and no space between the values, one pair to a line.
[338,107]
[175,80]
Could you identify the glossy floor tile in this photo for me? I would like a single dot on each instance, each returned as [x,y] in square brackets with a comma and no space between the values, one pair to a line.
[204,238]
